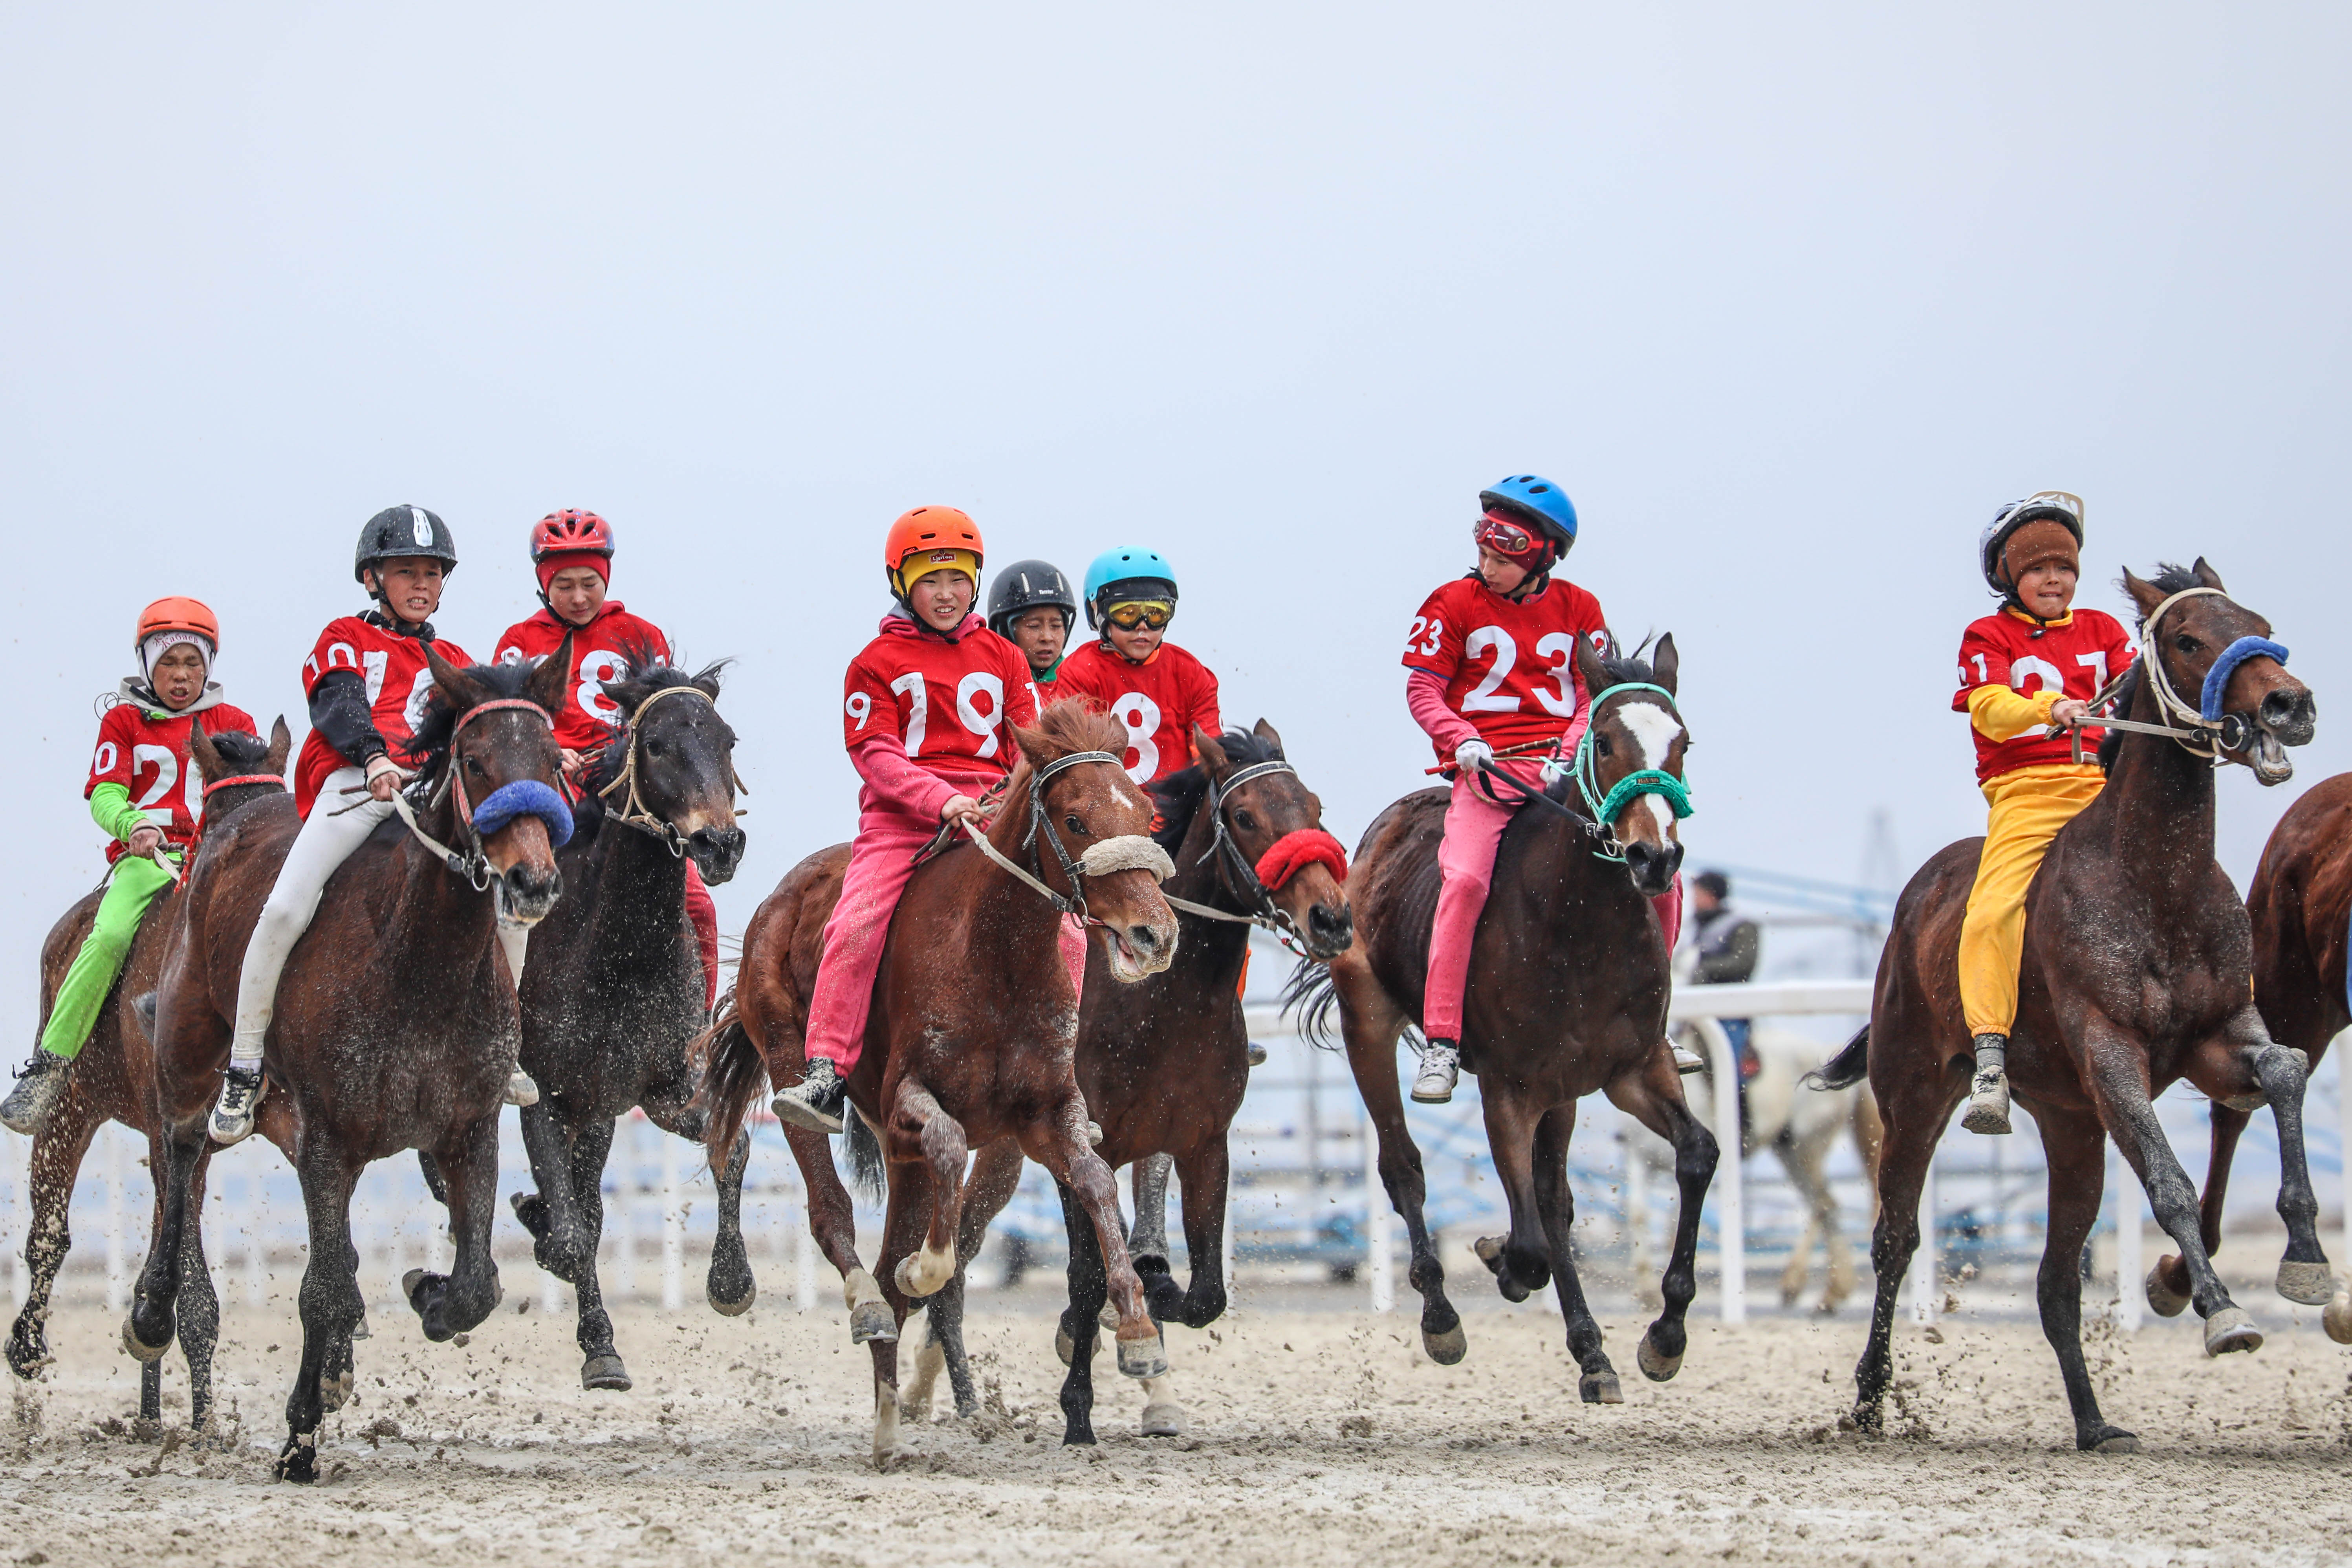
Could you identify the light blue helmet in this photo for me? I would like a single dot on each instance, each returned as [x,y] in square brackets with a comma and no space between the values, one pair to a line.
[1120,567]
[1538,500]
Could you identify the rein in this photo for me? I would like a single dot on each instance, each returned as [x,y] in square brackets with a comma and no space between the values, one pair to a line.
[635,812]
[2203,731]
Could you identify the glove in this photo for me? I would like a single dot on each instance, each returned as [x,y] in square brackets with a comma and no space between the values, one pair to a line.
[1474,756]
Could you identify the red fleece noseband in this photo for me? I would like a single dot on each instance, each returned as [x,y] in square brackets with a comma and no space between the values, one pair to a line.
[1294,852]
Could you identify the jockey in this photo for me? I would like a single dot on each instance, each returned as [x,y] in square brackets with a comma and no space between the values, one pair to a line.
[1494,683]
[572,552]
[1151,685]
[367,681]
[2034,665]
[928,716]
[1033,608]
[143,747]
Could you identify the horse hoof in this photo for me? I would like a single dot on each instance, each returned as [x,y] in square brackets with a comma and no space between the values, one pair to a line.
[2114,1442]
[360,1329]
[408,1283]
[2247,1104]
[2306,1284]
[1064,1346]
[1655,1366]
[735,1309]
[298,1460]
[2162,1299]
[140,1350]
[1489,1250]
[921,1275]
[2231,1329]
[1143,1358]
[606,1372]
[2337,1319]
[1163,1419]
[27,1356]
[1600,1388]
[871,1321]
[1446,1349]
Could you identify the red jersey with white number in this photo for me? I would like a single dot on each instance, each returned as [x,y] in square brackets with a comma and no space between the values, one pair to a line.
[589,719]
[2077,656]
[398,681]
[1510,667]
[952,704]
[1159,700]
[145,750]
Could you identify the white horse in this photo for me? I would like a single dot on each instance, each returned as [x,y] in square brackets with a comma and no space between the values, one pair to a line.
[1799,1125]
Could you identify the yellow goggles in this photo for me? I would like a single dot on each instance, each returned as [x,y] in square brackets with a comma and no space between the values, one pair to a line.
[1152,613]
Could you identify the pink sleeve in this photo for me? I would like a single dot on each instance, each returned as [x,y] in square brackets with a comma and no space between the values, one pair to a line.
[893,780]
[1425,694]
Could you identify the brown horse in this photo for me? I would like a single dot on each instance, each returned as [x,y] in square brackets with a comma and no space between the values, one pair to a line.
[1566,996]
[973,1027]
[396,1024]
[113,1079]
[1163,1063]
[2136,973]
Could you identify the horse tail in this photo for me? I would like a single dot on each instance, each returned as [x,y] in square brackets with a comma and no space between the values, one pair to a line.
[866,1177]
[733,1074]
[1312,994]
[1846,1068]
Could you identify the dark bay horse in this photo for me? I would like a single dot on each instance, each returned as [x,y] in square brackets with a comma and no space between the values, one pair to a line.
[973,1029]
[113,1079]
[1566,996]
[1162,1063]
[2136,973]
[613,992]
[396,1024]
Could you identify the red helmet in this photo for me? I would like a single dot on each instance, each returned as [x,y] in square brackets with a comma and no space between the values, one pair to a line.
[568,532]
[177,615]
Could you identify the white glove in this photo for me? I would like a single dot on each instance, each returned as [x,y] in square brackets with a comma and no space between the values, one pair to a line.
[1474,756]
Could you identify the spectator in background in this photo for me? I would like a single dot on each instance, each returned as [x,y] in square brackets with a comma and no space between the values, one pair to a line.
[1725,944]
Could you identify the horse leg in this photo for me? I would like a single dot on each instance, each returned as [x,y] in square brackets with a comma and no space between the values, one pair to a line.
[1802,1161]
[148,1330]
[2279,1076]
[2167,1282]
[728,1284]
[329,1305]
[1060,1145]
[1081,1320]
[600,1360]
[58,1149]
[1369,1023]
[449,1304]
[1914,1118]
[1147,1242]
[904,1225]
[550,1213]
[920,1131]
[1520,1259]
[1555,1203]
[2075,1150]
[1653,1095]
[199,1308]
[833,1226]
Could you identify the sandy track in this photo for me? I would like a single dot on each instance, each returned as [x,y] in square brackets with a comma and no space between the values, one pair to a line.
[1316,1437]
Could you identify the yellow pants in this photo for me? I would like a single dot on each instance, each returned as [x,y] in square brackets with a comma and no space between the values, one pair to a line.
[2029,807]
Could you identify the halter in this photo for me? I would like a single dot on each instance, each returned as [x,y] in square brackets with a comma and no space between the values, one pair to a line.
[1122,852]
[635,814]
[1642,780]
[472,864]
[1231,862]
[2203,731]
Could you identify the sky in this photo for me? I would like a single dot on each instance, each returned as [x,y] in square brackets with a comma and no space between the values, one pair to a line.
[1788,303]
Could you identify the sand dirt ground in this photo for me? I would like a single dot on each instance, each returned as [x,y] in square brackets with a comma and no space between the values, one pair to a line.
[1316,1437]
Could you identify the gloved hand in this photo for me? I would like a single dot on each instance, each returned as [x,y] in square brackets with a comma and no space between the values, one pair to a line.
[1474,756]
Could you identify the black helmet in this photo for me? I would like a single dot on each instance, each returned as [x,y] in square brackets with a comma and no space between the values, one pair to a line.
[1027,585]
[399,530]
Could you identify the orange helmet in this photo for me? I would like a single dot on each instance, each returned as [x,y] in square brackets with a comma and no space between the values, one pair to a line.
[177,615]
[944,535]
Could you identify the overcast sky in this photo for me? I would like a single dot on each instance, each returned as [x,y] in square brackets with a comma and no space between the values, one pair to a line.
[1788,305]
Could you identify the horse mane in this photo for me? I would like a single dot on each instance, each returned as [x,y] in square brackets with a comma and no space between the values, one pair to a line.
[1180,795]
[1072,724]
[2168,578]
[428,749]
[241,749]
[653,674]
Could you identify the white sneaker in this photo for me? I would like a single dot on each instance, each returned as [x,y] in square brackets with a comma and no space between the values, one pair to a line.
[232,1119]
[521,1088]
[1440,1069]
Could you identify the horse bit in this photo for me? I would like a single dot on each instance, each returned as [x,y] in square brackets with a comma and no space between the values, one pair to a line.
[2204,730]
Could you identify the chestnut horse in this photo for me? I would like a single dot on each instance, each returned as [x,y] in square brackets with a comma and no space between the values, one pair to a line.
[1163,1063]
[1566,996]
[2136,973]
[973,1027]
[396,1024]
[113,1079]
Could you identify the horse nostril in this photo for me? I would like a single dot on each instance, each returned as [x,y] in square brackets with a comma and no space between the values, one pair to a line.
[1143,938]
[2291,716]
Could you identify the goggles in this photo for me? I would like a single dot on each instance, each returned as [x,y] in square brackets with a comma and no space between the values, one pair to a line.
[1508,536]
[1153,614]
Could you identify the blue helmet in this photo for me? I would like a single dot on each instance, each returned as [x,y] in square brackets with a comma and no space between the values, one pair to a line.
[1122,566]
[1538,500]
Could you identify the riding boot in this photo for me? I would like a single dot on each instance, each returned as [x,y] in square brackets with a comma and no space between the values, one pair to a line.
[241,1090]
[1441,1068]
[37,1089]
[816,1101]
[1989,1090]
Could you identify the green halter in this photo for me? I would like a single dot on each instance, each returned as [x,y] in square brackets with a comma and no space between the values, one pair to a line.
[1642,780]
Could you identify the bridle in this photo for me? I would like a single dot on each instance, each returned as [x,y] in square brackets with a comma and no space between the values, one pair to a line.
[2203,730]
[1585,769]
[1121,852]
[635,812]
[471,863]
[1233,866]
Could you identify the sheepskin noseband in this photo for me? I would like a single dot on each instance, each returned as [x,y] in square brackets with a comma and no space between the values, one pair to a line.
[1128,852]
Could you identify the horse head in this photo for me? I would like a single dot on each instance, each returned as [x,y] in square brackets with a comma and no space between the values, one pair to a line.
[2216,650]
[498,769]
[675,763]
[1276,822]
[1100,822]
[1631,762]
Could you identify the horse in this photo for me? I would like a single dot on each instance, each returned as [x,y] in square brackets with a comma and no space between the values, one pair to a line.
[614,990]
[1163,1063]
[396,1027]
[2136,973]
[973,1029]
[1567,995]
[1801,1127]
[113,1080]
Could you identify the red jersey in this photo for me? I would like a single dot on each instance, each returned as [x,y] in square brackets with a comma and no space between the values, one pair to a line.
[1159,700]
[948,702]
[398,681]
[589,719]
[2077,656]
[145,750]
[1510,667]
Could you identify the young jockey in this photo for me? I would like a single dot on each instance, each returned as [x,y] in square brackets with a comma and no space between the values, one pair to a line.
[928,716]
[366,680]
[143,749]
[1151,685]
[2031,666]
[1494,683]
[572,552]
[1033,608]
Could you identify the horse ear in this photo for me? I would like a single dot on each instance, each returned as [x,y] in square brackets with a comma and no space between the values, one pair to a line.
[1210,750]
[281,746]
[200,747]
[706,682]
[1265,732]
[546,684]
[2144,593]
[1037,745]
[1665,663]
[463,689]
[2207,575]
[1589,665]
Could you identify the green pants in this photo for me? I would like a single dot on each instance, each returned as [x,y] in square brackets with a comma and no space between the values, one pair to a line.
[134,886]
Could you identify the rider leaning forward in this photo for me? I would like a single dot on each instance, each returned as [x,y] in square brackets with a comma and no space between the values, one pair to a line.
[1494,684]
[146,792]
[2027,674]
[1159,692]
[927,715]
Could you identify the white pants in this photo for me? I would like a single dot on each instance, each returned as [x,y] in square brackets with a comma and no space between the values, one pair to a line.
[325,842]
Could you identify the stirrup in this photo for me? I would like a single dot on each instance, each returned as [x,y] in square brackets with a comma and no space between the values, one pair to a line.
[240,1095]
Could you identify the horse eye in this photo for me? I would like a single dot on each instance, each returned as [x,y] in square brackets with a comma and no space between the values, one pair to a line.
[473,766]
[1245,821]
[1601,744]
[1073,824]
[2186,643]
[654,748]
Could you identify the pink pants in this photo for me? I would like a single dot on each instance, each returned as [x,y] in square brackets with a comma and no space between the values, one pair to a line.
[1465,865]
[704,915]
[881,859]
